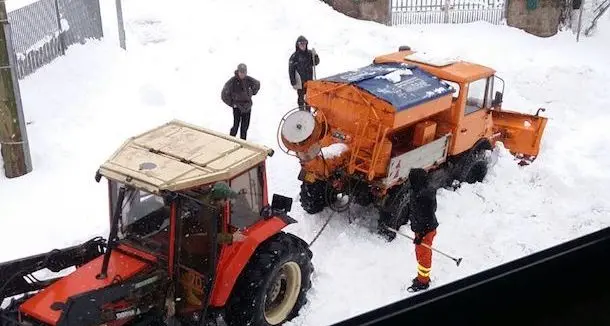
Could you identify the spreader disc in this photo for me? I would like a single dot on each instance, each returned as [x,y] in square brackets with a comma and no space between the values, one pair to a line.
[298,126]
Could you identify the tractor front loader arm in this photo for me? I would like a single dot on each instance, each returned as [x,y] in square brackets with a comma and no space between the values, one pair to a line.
[136,297]
[14,275]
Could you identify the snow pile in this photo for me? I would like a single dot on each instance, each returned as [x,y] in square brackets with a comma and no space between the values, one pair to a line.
[396,75]
[435,59]
[16,4]
[334,150]
[434,92]
[85,104]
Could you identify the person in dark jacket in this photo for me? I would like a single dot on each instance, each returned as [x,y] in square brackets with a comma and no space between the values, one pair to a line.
[301,68]
[237,93]
[422,214]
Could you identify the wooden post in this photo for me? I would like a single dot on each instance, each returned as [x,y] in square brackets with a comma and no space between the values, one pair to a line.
[121,25]
[13,136]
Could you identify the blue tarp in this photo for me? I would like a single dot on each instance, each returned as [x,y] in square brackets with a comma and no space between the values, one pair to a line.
[402,85]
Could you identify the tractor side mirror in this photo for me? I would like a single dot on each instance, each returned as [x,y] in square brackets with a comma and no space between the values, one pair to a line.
[281,203]
[497,99]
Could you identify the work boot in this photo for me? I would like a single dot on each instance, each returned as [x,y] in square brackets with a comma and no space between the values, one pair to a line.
[418,286]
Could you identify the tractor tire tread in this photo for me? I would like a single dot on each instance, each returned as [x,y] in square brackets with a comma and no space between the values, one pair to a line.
[245,306]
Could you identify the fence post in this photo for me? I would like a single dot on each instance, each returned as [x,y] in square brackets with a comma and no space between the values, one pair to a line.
[390,20]
[579,21]
[13,134]
[446,11]
[62,44]
[119,15]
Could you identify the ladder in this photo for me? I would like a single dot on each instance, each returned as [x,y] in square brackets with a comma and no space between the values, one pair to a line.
[362,160]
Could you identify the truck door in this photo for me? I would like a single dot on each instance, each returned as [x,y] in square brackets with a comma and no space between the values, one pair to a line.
[519,132]
[476,120]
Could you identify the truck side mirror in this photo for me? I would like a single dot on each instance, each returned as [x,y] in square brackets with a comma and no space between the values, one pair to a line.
[497,99]
[281,203]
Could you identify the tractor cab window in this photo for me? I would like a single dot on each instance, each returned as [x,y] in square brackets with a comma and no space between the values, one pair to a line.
[144,219]
[198,226]
[199,222]
[479,96]
[245,209]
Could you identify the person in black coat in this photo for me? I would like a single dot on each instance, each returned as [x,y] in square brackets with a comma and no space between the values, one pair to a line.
[237,93]
[422,214]
[300,68]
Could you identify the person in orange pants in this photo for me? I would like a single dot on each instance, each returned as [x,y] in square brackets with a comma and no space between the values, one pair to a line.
[422,214]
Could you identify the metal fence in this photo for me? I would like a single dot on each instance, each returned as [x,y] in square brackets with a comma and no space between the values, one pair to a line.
[405,12]
[43,30]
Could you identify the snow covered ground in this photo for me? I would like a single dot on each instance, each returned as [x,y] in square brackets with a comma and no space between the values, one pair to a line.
[179,55]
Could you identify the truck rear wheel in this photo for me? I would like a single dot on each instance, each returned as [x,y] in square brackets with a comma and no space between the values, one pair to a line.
[273,286]
[313,196]
[395,212]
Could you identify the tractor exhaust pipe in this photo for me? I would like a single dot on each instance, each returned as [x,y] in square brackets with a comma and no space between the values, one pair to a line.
[113,234]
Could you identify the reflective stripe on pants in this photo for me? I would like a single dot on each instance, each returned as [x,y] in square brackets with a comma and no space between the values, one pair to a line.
[424,258]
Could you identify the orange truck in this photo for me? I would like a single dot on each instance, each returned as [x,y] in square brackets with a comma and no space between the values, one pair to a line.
[367,128]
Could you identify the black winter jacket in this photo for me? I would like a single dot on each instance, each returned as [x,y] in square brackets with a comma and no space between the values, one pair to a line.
[422,211]
[238,93]
[301,62]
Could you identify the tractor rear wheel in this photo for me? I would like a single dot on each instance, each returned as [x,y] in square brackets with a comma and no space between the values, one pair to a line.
[273,286]
[313,196]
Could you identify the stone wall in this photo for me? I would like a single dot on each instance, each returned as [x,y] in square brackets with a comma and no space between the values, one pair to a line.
[542,21]
[372,10]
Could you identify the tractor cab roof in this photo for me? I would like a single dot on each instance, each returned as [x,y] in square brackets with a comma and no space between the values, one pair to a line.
[177,156]
[445,68]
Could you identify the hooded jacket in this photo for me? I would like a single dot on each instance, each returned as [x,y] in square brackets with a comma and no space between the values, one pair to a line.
[237,93]
[422,203]
[300,64]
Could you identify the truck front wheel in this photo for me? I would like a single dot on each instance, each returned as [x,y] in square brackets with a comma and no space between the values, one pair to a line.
[473,167]
[273,286]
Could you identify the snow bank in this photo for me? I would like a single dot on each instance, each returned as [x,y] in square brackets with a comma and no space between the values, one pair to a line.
[16,4]
[84,105]
[334,150]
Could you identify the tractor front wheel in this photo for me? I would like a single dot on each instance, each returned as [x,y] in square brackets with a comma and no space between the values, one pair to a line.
[273,286]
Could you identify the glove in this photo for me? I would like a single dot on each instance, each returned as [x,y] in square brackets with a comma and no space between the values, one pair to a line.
[238,236]
[418,239]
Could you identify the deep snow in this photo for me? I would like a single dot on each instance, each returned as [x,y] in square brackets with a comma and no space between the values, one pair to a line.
[87,103]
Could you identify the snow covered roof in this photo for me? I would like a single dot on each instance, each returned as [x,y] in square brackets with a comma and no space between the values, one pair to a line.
[450,68]
[402,85]
[177,156]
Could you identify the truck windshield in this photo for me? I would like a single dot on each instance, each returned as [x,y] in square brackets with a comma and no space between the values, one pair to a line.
[144,219]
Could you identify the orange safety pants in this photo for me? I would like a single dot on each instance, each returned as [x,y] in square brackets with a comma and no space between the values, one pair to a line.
[424,258]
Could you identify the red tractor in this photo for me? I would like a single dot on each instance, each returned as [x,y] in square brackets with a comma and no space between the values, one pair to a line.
[178,253]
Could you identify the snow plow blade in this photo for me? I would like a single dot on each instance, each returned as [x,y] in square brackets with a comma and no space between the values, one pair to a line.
[15,275]
[519,132]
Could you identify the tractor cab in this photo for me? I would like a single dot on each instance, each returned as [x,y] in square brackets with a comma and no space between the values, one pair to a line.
[190,226]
